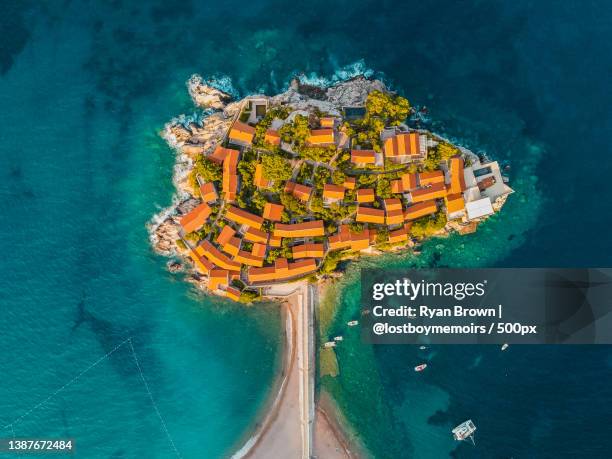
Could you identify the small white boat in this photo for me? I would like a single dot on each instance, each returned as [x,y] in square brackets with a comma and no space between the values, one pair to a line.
[423,348]
[504,346]
[330,344]
[420,367]
[464,431]
[338,338]
[352,323]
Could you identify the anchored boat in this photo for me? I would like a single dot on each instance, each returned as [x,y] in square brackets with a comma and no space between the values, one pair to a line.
[464,431]
[420,367]
[352,323]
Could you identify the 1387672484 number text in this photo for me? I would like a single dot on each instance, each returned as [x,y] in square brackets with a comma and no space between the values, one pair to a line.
[36,445]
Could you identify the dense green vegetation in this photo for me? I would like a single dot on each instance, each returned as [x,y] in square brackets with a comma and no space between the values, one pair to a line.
[276,168]
[318,154]
[206,169]
[295,132]
[443,152]
[427,226]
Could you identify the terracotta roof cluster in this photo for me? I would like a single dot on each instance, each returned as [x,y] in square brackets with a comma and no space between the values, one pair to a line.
[241,133]
[272,137]
[363,157]
[405,183]
[258,177]
[412,145]
[301,192]
[313,250]
[365,195]
[347,239]
[282,270]
[242,217]
[273,212]
[429,178]
[435,191]
[350,183]
[321,137]
[420,210]
[327,122]
[295,230]
[230,174]
[196,218]
[208,192]
[333,192]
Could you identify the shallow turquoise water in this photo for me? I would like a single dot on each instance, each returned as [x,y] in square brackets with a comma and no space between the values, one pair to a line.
[84,89]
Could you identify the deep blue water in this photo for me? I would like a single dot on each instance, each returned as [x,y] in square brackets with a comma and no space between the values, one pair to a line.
[84,89]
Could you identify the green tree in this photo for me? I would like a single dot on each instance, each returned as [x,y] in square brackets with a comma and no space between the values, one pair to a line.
[276,168]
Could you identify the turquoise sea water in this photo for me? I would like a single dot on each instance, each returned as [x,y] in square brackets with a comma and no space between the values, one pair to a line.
[86,86]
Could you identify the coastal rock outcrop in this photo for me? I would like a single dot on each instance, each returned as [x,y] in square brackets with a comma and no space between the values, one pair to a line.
[205,96]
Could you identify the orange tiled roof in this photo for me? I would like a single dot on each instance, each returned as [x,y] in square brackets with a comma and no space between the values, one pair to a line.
[230,176]
[272,137]
[225,235]
[457,177]
[196,218]
[363,156]
[392,204]
[214,255]
[341,240]
[365,195]
[243,217]
[301,192]
[242,133]
[370,215]
[394,217]
[258,178]
[232,246]
[314,250]
[360,240]
[258,250]
[208,192]
[349,183]
[202,264]
[399,235]
[405,183]
[327,122]
[406,144]
[321,137]
[333,191]
[256,235]
[275,241]
[219,154]
[273,212]
[218,278]
[232,293]
[306,229]
[429,178]
[247,258]
[420,209]
[454,203]
[282,271]
[437,190]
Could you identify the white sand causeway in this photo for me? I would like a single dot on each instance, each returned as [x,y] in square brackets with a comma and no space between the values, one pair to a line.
[286,431]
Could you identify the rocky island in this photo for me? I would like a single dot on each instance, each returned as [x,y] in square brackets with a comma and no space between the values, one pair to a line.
[274,189]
